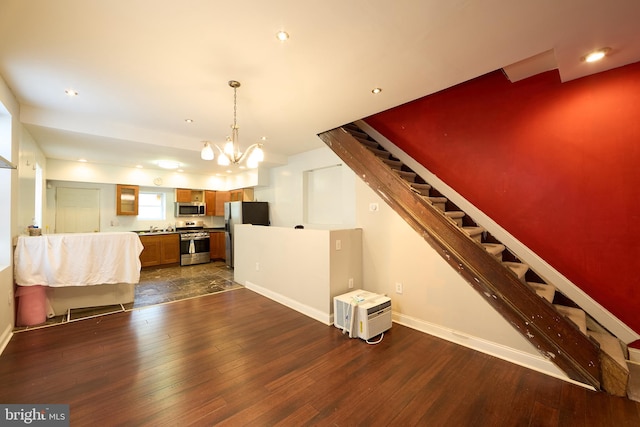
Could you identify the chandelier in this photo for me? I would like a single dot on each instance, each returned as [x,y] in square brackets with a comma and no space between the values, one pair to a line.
[231,152]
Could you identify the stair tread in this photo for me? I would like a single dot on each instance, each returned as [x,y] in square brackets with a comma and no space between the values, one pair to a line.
[409,176]
[454,214]
[395,164]
[610,345]
[357,133]
[576,315]
[421,186]
[494,249]
[422,189]
[380,153]
[544,290]
[368,143]
[473,229]
[519,268]
[633,387]
[438,199]
[438,202]
[474,232]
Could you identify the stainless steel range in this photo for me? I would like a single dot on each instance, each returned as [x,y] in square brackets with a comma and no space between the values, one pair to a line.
[194,242]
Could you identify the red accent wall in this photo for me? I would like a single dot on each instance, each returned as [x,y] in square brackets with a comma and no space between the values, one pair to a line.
[556,164]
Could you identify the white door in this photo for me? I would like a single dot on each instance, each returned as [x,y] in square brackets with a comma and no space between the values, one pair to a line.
[77,210]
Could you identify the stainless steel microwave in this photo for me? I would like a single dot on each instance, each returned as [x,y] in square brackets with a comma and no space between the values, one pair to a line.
[190,209]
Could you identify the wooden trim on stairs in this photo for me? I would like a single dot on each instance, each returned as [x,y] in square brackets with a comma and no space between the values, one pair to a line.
[555,337]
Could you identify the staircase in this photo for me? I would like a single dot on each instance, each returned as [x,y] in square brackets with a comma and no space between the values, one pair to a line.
[546,318]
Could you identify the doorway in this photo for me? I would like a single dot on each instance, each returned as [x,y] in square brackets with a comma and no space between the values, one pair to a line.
[77,210]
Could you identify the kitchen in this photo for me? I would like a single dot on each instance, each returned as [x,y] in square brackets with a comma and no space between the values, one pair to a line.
[183,241]
[184,218]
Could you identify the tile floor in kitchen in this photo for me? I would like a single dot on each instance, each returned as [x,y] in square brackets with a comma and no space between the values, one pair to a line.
[158,286]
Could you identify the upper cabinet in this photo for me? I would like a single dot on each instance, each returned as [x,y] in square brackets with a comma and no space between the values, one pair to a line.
[221,198]
[210,201]
[185,195]
[127,199]
[241,195]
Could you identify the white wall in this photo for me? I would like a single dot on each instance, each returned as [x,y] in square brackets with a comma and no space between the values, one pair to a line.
[303,269]
[286,192]
[9,143]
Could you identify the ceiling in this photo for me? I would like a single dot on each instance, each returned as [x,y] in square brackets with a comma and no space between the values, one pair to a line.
[141,67]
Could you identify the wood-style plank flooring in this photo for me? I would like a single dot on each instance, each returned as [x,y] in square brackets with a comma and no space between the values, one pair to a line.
[237,358]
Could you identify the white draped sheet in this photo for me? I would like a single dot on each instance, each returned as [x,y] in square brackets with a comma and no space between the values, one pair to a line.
[78,259]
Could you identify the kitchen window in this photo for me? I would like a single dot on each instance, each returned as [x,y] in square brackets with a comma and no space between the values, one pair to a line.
[151,206]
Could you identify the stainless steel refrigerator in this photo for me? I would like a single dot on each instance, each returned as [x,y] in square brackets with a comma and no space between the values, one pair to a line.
[256,213]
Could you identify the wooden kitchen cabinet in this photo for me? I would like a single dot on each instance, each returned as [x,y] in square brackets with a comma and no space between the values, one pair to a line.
[187,195]
[241,195]
[210,201]
[217,245]
[183,195]
[221,198]
[127,199]
[160,249]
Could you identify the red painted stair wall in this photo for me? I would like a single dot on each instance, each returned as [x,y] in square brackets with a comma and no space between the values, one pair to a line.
[555,164]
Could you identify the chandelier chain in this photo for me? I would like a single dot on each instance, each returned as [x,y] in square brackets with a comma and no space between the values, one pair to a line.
[235,106]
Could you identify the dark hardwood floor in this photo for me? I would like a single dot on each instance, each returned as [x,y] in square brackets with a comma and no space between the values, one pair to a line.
[237,358]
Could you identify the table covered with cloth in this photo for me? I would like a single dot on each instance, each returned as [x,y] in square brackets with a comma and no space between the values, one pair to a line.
[72,265]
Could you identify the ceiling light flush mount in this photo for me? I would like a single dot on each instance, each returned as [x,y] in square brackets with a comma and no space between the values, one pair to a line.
[596,55]
[231,153]
[168,164]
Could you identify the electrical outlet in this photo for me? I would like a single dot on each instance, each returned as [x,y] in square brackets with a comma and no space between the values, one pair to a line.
[257,266]
[351,283]
[398,288]
[338,245]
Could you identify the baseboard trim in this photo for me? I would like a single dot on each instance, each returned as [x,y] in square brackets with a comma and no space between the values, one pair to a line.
[5,337]
[318,315]
[527,360]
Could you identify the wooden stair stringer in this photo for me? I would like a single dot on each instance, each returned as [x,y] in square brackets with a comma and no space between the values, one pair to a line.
[556,338]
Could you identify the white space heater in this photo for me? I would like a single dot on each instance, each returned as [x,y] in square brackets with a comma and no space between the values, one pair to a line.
[362,314]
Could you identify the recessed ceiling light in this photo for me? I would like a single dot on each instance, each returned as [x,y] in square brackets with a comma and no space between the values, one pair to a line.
[139,166]
[188,120]
[168,164]
[376,90]
[71,92]
[596,55]
[82,160]
[282,35]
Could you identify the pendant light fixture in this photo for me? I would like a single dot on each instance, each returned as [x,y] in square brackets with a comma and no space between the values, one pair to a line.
[231,153]
[207,151]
